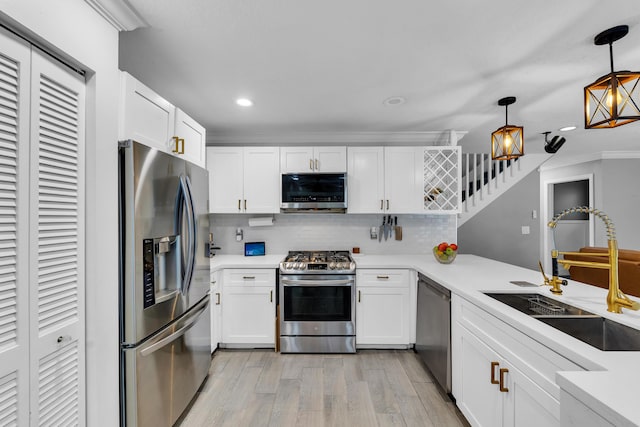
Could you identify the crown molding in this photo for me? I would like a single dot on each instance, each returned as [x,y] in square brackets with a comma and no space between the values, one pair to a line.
[447,137]
[118,13]
[589,157]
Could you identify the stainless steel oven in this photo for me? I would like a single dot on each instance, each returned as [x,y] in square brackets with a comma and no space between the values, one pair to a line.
[317,303]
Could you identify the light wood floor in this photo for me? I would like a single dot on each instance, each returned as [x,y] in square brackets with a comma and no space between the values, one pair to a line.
[370,388]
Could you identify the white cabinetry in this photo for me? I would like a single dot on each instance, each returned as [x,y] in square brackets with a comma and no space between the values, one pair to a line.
[313,159]
[243,179]
[385,307]
[442,188]
[385,179]
[216,310]
[500,377]
[148,118]
[248,307]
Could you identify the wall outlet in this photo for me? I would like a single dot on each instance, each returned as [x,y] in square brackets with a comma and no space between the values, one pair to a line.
[526,229]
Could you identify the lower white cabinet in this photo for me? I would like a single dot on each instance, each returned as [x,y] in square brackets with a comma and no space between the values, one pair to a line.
[500,376]
[216,310]
[385,307]
[248,304]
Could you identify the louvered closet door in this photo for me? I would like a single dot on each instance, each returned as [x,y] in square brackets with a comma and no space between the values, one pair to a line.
[57,245]
[14,231]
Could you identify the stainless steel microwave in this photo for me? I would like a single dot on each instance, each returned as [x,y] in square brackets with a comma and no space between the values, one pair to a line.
[314,192]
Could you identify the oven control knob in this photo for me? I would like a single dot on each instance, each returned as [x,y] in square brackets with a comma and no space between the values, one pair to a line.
[343,265]
[288,265]
[332,265]
[300,266]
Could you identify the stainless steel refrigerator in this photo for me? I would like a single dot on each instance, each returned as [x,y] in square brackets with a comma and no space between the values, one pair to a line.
[165,340]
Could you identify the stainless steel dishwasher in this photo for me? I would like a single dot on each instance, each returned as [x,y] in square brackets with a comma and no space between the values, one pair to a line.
[433,329]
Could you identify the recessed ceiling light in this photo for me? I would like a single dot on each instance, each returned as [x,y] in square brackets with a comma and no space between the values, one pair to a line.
[394,100]
[567,128]
[244,102]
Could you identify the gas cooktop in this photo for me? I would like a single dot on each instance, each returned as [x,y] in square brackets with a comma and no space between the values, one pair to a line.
[318,262]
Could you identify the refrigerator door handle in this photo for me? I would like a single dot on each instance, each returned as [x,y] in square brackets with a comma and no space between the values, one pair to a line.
[185,203]
[193,231]
[183,326]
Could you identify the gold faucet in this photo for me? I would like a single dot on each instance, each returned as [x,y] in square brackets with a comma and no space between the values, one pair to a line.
[616,300]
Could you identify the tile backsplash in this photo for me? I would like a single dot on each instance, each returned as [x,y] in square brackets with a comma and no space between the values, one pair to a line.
[332,232]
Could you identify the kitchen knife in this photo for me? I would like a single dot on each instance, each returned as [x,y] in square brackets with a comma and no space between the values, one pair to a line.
[382,228]
[386,229]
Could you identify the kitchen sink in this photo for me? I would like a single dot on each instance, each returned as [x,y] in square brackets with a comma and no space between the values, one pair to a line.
[538,305]
[597,331]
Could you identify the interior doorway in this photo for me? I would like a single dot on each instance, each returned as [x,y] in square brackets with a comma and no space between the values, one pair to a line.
[574,230]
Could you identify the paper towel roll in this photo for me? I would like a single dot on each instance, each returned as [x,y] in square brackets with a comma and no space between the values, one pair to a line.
[261,221]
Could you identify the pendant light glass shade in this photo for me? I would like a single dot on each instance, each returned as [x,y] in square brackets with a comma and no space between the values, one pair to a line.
[507,142]
[613,99]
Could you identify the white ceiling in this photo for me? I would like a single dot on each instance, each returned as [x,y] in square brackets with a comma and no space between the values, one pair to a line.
[327,66]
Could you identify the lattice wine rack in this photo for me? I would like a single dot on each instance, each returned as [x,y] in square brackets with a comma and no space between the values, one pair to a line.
[442,179]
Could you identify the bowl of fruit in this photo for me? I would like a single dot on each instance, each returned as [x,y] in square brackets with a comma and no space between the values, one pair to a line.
[445,252]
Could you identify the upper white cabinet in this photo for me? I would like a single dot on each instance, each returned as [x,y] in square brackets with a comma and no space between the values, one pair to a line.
[148,118]
[243,179]
[442,192]
[313,159]
[385,179]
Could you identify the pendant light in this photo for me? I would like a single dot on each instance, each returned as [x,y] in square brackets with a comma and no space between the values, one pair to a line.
[613,99]
[507,142]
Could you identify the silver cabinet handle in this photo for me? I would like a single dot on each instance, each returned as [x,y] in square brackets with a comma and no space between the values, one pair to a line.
[248,277]
[387,204]
[271,295]
[381,204]
[382,277]
[359,295]
[311,164]
[239,204]
[217,298]
[317,168]
[245,204]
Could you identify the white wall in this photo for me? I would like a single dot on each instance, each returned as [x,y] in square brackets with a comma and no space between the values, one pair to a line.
[496,231]
[74,29]
[333,232]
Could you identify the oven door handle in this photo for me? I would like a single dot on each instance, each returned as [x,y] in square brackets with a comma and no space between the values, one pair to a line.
[322,282]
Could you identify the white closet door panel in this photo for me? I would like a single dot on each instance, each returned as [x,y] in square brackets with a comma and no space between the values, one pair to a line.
[57,250]
[14,230]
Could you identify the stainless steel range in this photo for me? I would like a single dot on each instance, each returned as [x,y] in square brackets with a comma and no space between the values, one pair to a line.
[317,302]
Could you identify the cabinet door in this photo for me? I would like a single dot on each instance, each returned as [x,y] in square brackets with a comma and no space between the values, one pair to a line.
[403,177]
[261,180]
[248,315]
[225,179]
[382,315]
[146,116]
[480,401]
[296,159]
[526,404]
[192,138]
[216,310]
[330,159]
[365,179]
[248,306]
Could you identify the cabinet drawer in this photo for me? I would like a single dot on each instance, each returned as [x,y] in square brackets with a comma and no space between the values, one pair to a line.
[249,277]
[535,360]
[375,277]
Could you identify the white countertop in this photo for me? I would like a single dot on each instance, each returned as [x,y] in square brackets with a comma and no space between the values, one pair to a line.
[610,384]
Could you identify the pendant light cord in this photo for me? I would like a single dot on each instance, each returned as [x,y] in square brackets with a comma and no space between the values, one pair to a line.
[611,55]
